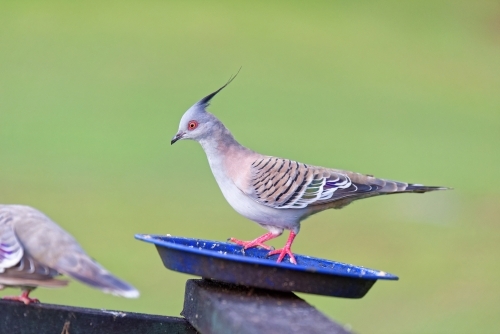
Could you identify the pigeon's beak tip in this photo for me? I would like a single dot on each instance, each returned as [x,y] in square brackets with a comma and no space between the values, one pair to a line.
[177,137]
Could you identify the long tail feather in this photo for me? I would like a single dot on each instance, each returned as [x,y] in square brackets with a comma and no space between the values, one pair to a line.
[84,269]
[419,188]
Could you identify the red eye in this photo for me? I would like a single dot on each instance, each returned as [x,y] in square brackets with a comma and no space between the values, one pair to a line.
[192,125]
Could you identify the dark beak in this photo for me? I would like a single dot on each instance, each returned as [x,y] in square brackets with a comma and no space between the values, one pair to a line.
[176,138]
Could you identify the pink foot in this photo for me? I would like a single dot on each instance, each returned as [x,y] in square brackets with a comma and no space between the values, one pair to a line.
[259,242]
[24,297]
[282,252]
[249,244]
[285,250]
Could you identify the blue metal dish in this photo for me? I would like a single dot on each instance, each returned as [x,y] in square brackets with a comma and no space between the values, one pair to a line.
[229,263]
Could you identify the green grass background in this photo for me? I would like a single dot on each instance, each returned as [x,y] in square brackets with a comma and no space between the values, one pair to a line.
[91,93]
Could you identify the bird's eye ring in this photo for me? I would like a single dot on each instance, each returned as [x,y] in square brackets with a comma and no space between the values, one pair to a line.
[192,125]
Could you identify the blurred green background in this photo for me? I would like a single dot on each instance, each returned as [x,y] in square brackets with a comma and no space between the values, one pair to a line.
[92,92]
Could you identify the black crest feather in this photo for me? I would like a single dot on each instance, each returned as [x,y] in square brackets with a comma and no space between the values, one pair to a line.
[206,100]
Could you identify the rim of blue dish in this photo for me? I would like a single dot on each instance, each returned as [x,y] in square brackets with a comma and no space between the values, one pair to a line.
[371,274]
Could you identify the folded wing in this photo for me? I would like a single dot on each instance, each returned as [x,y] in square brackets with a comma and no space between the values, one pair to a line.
[286,184]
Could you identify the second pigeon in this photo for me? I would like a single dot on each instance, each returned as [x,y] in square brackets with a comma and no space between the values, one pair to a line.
[34,250]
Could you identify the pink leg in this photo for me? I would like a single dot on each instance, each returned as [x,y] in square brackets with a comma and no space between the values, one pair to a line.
[285,250]
[256,242]
[24,297]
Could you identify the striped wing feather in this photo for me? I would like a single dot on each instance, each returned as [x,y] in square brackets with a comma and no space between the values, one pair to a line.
[16,266]
[30,270]
[11,251]
[284,184]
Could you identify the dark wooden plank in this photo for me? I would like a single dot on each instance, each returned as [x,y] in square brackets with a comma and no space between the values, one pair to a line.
[15,317]
[220,308]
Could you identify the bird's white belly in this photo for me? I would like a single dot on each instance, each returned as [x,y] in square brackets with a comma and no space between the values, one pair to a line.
[247,207]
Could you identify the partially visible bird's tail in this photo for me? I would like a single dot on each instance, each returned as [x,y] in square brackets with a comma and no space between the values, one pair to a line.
[83,268]
[387,187]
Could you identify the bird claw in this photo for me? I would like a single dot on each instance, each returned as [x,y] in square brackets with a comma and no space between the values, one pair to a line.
[24,297]
[250,244]
[282,252]
[26,300]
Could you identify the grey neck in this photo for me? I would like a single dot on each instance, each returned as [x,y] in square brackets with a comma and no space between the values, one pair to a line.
[219,141]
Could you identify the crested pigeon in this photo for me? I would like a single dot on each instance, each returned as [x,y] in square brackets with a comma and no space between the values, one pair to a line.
[276,193]
[34,250]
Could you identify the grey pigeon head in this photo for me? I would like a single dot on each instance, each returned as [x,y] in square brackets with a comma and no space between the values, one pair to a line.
[197,122]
